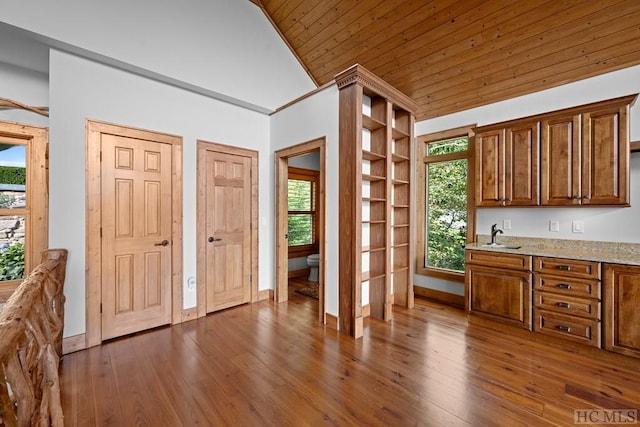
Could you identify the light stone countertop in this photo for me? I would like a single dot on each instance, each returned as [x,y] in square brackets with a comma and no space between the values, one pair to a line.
[610,252]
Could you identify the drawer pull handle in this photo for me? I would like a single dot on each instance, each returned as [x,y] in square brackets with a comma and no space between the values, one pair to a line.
[563,286]
[563,328]
[563,304]
[564,267]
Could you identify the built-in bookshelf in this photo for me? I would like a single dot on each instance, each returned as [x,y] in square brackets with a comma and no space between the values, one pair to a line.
[376,144]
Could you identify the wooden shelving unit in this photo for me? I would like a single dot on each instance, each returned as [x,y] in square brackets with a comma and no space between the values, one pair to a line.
[376,146]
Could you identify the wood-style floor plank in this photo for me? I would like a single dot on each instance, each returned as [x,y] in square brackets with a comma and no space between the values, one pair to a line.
[273,364]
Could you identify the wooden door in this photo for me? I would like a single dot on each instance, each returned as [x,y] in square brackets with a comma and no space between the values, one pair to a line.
[560,163]
[500,294]
[621,322]
[521,182]
[228,230]
[605,160]
[136,207]
[490,168]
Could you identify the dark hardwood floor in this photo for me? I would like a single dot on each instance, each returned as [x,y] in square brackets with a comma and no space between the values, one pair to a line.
[273,364]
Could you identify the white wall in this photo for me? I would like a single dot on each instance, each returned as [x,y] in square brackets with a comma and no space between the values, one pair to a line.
[80,89]
[25,86]
[602,224]
[315,117]
[306,161]
[221,46]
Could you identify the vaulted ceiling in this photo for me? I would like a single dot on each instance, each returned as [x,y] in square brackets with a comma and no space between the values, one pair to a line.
[453,55]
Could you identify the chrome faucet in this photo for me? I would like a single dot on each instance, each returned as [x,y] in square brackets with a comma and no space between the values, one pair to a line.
[494,231]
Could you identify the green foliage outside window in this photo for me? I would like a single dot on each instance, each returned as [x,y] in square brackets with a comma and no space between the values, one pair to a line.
[13,175]
[301,207]
[446,207]
[12,262]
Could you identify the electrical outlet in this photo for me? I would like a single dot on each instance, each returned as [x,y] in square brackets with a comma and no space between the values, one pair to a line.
[578,226]
[554,225]
[506,224]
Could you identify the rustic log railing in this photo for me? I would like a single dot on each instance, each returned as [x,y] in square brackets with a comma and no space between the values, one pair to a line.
[31,324]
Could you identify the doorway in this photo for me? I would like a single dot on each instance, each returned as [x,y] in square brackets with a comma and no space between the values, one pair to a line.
[227,241]
[282,158]
[134,230]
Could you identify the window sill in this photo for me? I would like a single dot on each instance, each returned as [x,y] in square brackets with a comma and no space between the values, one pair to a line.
[441,274]
[303,251]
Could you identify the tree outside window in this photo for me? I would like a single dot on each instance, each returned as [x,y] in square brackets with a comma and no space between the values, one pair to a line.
[444,220]
[302,202]
[446,206]
[12,211]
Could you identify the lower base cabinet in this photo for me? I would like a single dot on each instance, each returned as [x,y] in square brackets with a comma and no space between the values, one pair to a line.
[621,321]
[497,293]
[566,299]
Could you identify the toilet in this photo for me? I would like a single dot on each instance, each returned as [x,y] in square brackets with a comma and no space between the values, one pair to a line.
[313,261]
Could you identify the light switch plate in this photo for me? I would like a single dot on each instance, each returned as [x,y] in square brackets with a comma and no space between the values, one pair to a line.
[554,225]
[578,226]
[506,224]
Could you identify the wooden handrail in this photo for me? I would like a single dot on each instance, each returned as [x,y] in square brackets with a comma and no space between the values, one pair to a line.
[31,324]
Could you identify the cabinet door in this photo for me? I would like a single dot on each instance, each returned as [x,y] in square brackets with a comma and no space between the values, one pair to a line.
[500,294]
[521,181]
[605,160]
[621,321]
[490,168]
[560,161]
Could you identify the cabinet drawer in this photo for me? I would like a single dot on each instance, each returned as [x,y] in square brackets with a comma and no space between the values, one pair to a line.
[582,307]
[577,329]
[498,259]
[567,267]
[567,286]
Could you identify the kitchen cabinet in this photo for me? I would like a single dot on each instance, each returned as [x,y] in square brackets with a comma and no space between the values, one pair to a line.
[507,160]
[498,287]
[566,299]
[578,156]
[621,313]
[585,155]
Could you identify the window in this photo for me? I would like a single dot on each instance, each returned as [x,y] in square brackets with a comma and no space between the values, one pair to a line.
[302,218]
[445,217]
[23,202]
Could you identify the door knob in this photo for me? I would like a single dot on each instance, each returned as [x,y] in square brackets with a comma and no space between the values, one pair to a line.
[213,239]
[163,243]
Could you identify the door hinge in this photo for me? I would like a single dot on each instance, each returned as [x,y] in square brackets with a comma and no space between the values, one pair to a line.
[101,232]
[100,308]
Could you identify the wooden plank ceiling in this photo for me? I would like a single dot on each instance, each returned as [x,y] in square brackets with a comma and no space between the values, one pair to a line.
[453,55]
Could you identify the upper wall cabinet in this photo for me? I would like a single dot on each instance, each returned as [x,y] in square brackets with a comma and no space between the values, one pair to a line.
[585,155]
[507,165]
[577,156]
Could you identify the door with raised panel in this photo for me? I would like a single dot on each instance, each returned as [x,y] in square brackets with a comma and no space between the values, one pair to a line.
[136,201]
[521,182]
[490,165]
[228,230]
[560,161]
[605,157]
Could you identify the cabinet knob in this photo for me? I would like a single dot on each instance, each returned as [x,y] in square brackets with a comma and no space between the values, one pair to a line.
[563,304]
[563,286]
[587,196]
[563,328]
